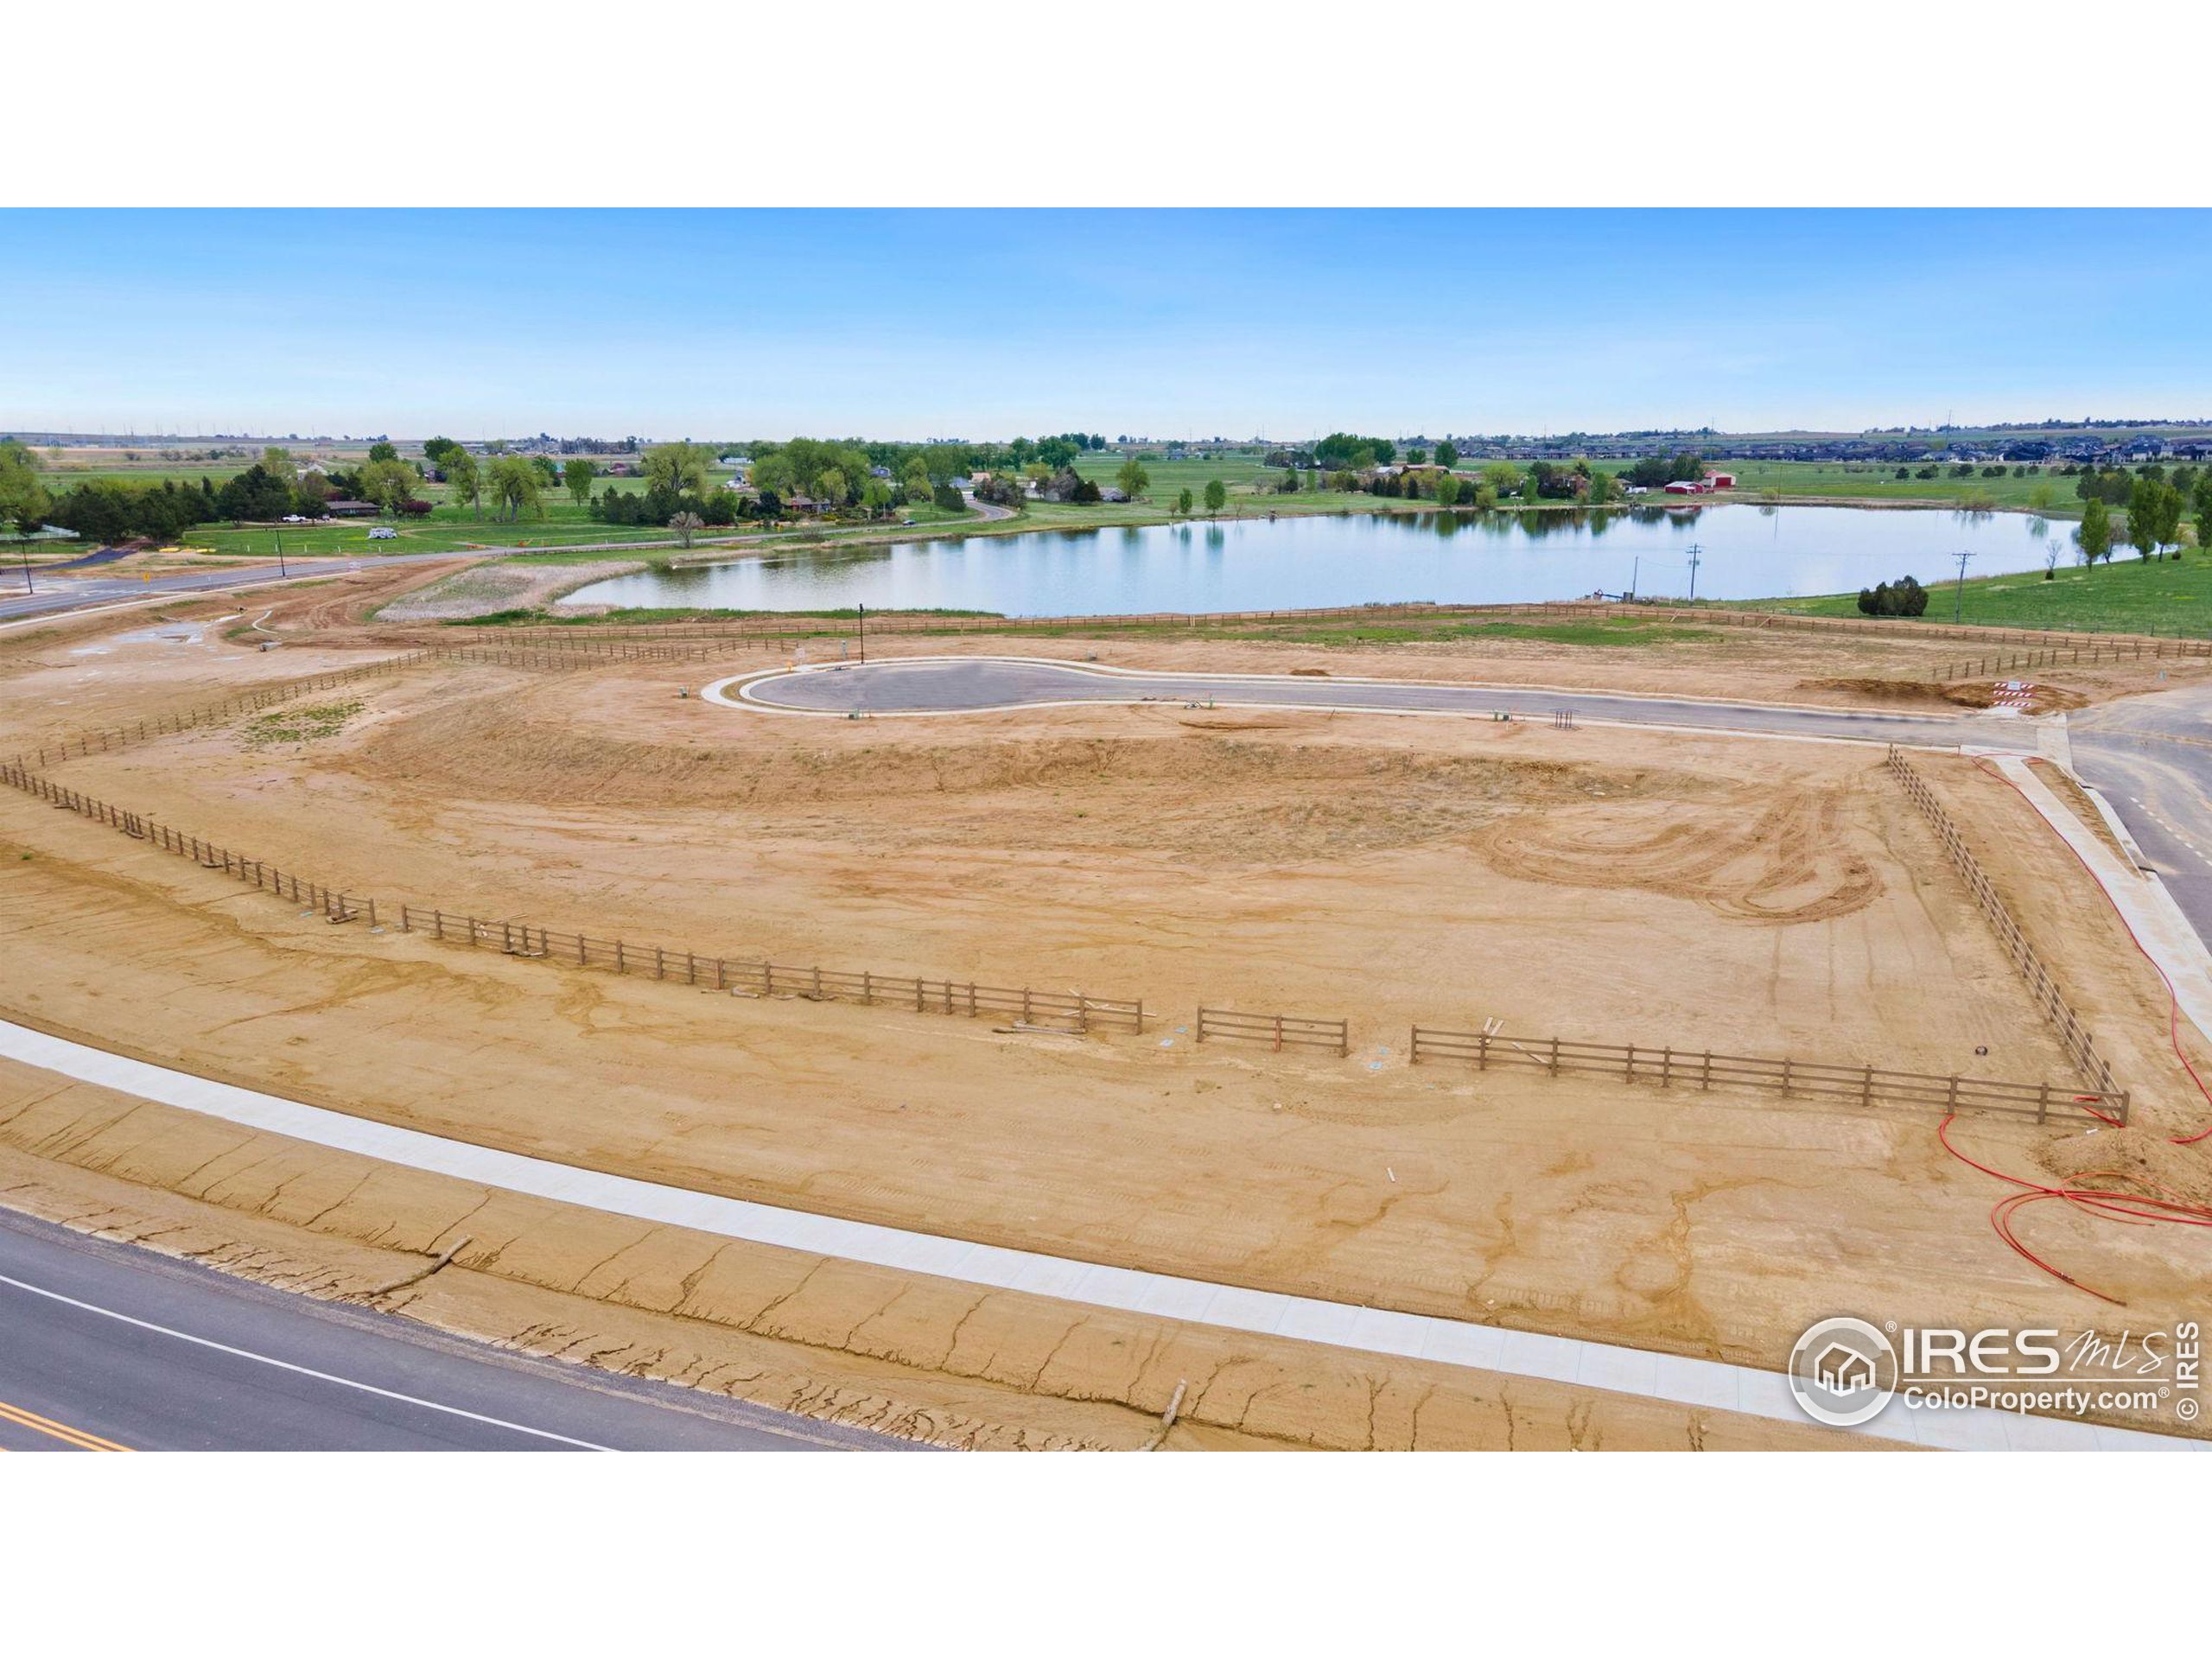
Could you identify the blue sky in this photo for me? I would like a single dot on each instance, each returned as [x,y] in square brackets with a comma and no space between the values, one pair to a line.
[913,324]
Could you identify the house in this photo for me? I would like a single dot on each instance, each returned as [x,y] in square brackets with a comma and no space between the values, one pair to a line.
[1843,1369]
[1108,492]
[1720,480]
[340,509]
[1683,486]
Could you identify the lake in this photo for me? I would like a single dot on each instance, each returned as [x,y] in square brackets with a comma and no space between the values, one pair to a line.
[1742,552]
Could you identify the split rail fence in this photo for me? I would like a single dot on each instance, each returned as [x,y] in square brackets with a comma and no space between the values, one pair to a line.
[2073,1035]
[2121,651]
[1278,1031]
[1862,1085]
[79,743]
[1038,1009]
[783,629]
[1041,1010]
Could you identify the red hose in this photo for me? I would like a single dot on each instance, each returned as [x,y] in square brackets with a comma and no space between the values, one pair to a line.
[2173,999]
[2161,1204]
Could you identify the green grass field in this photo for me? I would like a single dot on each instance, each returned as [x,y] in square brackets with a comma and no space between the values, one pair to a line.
[1838,480]
[2126,596]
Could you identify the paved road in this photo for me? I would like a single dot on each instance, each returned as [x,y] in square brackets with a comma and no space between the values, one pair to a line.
[104,1345]
[2152,758]
[61,594]
[973,684]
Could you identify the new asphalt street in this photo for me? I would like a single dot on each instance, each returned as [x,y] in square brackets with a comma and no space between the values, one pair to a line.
[104,1346]
[971,684]
[52,595]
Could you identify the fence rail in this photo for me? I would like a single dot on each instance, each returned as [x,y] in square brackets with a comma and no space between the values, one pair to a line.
[1864,1086]
[1278,1031]
[784,628]
[2119,651]
[1071,1011]
[2073,1035]
[79,743]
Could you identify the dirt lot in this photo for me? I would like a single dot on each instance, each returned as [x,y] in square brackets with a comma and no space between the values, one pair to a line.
[1757,897]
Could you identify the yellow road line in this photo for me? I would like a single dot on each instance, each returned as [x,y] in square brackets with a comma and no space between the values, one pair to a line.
[84,1439]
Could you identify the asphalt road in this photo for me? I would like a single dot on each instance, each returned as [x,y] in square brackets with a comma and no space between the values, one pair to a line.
[2151,756]
[104,1346]
[973,684]
[61,594]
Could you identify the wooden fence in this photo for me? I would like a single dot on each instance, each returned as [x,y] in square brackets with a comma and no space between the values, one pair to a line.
[1071,1011]
[1863,1085]
[785,628]
[2102,650]
[79,743]
[2080,1048]
[1278,1031]
[335,907]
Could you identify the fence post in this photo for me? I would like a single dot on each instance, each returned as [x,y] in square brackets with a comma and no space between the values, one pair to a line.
[1554,1056]
[2043,1104]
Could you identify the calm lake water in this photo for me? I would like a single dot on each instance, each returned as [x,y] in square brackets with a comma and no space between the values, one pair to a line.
[1743,552]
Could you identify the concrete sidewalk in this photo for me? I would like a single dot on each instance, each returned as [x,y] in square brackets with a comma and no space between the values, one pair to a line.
[1696,1383]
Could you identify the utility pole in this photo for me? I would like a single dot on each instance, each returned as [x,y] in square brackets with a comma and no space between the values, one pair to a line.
[281,571]
[863,633]
[27,588]
[1959,593]
[1695,563]
[1635,574]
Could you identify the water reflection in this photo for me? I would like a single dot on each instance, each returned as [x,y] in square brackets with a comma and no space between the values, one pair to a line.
[1746,551]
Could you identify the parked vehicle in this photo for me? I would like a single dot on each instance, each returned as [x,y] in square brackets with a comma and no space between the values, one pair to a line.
[383,533]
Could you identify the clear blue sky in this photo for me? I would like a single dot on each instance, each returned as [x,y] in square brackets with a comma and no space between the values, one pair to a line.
[912,324]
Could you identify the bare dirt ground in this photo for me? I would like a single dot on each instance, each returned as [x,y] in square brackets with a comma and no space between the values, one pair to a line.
[495,587]
[923,1359]
[1757,897]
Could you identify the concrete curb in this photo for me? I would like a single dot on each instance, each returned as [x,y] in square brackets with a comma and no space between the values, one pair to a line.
[1693,1382]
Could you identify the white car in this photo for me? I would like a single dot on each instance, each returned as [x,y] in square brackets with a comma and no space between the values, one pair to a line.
[384,533]
[295,518]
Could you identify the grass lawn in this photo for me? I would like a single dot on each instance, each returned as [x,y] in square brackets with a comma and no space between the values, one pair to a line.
[2125,596]
[1866,482]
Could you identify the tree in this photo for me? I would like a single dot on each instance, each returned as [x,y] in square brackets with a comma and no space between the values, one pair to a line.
[686,526]
[915,480]
[1447,454]
[2153,516]
[1503,476]
[577,473]
[1905,597]
[2204,513]
[381,451]
[1183,503]
[254,494]
[2095,534]
[513,484]
[464,479]
[1447,491]
[1132,478]
[676,468]
[387,482]
[436,451]
[1601,487]
[23,499]
[278,462]
[875,496]
[1217,495]
[833,487]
